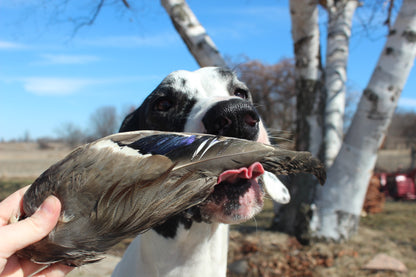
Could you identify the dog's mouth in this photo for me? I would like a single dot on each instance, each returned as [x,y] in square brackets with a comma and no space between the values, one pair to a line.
[237,197]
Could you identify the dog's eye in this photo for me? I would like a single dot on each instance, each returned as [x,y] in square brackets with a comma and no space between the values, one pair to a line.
[163,105]
[241,93]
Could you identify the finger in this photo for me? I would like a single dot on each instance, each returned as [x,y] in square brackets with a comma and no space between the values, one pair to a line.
[57,270]
[19,267]
[16,236]
[11,205]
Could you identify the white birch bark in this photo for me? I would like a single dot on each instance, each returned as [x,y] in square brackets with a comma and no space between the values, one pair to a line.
[310,110]
[340,14]
[339,202]
[193,34]
[305,34]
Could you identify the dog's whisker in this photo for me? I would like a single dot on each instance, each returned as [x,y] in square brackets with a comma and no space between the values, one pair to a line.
[256,225]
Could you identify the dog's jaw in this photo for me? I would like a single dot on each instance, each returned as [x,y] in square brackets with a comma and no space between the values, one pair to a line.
[229,203]
[236,202]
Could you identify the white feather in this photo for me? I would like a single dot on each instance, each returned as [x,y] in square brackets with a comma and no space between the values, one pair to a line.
[125,150]
[275,188]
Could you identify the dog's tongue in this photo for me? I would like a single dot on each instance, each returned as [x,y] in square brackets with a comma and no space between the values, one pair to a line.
[251,172]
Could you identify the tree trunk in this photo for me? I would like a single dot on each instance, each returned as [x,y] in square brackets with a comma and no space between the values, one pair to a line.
[193,34]
[310,108]
[340,16]
[339,202]
[305,34]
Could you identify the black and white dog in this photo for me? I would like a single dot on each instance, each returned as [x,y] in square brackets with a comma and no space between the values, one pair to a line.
[195,242]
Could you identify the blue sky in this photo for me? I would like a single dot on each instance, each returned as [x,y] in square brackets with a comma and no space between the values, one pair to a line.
[49,76]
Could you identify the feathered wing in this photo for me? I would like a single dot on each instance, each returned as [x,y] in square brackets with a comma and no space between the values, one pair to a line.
[127,183]
[197,162]
[85,176]
[188,166]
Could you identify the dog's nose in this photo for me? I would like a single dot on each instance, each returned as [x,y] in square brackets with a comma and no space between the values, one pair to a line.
[232,118]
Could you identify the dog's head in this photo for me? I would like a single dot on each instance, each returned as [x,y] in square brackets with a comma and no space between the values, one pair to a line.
[209,100]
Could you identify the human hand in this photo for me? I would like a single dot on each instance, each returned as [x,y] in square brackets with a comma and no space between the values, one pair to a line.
[16,236]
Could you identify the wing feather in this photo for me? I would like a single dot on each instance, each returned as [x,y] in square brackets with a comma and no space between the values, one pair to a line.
[126,183]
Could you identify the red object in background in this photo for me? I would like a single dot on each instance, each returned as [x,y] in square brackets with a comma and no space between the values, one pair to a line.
[405,187]
[400,185]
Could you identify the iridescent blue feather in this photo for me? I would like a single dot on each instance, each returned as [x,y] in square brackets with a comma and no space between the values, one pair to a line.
[163,144]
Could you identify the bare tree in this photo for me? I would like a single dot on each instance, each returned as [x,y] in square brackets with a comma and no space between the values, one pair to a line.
[273,90]
[308,71]
[104,122]
[310,103]
[71,134]
[339,203]
[402,131]
[193,34]
[340,15]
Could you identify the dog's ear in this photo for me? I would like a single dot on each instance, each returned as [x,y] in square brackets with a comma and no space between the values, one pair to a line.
[134,121]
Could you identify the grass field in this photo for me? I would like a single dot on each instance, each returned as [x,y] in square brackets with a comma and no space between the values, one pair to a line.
[8,186]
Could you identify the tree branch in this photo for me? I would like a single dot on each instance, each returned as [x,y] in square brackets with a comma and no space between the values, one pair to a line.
[90,21]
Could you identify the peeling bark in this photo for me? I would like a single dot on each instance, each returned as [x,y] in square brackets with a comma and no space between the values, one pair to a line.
[193,34]
[340,15]
[339,202]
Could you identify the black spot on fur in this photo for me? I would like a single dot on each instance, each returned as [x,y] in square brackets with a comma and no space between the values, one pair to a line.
[146,117]
[225,73]
[169,228]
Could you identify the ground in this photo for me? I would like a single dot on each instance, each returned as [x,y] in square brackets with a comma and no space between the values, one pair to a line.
[254,250]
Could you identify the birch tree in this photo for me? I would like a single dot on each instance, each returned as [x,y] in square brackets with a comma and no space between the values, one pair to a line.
[309,105]
[339,202]
[340,14]
[193,34]
[334,209]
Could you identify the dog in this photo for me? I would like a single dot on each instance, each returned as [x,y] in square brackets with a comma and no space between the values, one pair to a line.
[195,242]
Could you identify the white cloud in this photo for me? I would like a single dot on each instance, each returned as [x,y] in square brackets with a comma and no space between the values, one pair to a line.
[56,86]
[407,102]
[158,40]
[68,85]
[68,59]
[7,45]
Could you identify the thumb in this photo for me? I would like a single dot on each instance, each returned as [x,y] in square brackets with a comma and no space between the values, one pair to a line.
[16,236]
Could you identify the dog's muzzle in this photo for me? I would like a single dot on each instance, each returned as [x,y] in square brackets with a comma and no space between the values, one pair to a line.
[232,118]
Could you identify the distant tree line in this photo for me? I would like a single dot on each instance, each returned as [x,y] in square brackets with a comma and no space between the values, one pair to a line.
[402,131]
[103,121]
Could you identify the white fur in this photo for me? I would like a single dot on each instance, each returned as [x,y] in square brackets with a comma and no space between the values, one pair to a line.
[277,191]
[199,251]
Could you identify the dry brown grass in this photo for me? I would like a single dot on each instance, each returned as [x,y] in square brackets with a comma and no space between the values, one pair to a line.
[27,160]
[275,254]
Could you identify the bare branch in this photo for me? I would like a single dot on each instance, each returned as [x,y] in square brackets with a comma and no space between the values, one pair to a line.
[126,4]
[389,12]
[91,20]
